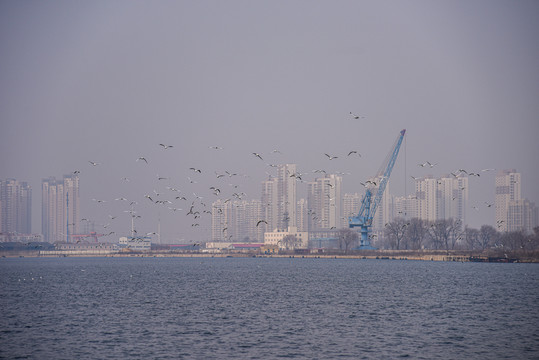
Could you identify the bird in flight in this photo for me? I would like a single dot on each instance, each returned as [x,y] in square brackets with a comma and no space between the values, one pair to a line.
[215,147]
[331,157]
[142,158]
[261,221]
[258,155]
[357,116]
[93,163]
[166,146]
[354,152]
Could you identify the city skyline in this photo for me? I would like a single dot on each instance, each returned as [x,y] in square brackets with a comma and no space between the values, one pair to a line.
[239,218]
[221,82]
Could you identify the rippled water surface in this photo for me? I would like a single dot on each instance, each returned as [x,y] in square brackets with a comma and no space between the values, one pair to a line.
[266,308]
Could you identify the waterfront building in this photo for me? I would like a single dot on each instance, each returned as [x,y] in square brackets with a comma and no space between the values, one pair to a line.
[236,221]
[302,217]
[15,207]
[135,244]
[60,203]
[385,212]
[507,190]
[277,238]
[351,206]
[405,207]
[443,198]
[521,216]
[279,198]
[325,202]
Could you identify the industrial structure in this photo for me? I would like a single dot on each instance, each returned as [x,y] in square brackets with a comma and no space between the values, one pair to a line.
[364,218]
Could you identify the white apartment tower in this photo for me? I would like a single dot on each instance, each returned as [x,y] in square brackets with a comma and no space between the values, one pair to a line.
[351,206]
[442,198]
[325,202]
[453,197]
[522,215]
[507,190]
[425,190]
[384,213]
[236,221]
[15,207]
[60,212]
[279,199]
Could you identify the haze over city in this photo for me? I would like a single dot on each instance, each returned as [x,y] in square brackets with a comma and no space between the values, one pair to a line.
[216,82]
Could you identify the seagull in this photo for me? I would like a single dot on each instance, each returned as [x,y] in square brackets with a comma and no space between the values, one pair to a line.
[487,170]
[143,159]
[354,152]
[261,221]
[166,146]
[331,157]
[276,151]
[431,165]
[76,172]
[258,155]
[215,147]
[196,170]
[488,205]
[93,163]
[99,201]
[413,177]
[125,179]
[357,116]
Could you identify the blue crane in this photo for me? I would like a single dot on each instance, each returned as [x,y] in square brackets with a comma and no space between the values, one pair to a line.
[368,206]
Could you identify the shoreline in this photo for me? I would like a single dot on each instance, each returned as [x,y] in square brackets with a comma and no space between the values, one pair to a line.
[428,255]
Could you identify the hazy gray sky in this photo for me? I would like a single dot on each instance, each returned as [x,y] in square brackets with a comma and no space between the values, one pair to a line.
[107,81]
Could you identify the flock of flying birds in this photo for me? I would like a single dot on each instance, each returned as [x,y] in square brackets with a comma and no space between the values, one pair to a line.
[196,206]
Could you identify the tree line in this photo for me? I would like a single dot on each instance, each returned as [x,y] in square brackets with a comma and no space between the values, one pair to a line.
[449,234]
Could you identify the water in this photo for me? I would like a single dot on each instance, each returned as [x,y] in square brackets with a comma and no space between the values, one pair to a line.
[266,308]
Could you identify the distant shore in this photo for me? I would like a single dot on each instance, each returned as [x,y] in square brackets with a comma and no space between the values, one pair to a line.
[424,255]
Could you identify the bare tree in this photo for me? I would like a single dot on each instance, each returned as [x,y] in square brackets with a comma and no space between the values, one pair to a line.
[394,232]
[290,242]
[456,234]
[416,233]
[514,240]
[347,237]
[472,238]
[487,236]
[444,233]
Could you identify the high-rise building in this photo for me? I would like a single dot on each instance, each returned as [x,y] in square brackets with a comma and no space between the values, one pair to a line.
[522,216]
[351,206]
[453,197]
[15,207]
[302,217]
[325,202]
[405,207]
[385,212]
[60,214]
[236,221]
[442,198]
[279,198]
[507,190]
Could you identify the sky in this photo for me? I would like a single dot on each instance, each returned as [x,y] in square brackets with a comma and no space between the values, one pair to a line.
[108,81]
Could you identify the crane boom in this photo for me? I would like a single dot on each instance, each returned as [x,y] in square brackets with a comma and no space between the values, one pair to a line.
[368,206]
